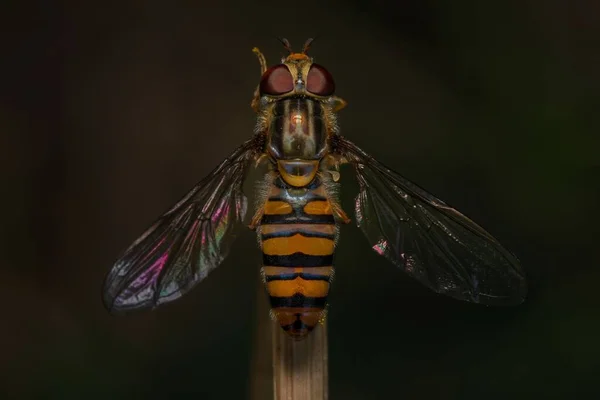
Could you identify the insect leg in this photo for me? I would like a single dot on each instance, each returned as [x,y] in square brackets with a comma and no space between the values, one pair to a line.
[338,213]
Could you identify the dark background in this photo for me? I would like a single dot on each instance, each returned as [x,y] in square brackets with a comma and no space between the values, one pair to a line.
[109,113]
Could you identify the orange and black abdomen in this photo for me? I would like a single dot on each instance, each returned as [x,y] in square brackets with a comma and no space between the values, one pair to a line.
[298,239]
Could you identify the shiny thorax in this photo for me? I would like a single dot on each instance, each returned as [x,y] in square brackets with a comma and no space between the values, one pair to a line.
[297,236]
[297,139]
[297,130]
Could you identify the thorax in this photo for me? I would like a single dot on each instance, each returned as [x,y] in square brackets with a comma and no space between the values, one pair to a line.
[297,139]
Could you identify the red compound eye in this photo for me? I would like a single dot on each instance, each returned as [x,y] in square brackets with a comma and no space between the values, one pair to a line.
[277,80]
[319,81]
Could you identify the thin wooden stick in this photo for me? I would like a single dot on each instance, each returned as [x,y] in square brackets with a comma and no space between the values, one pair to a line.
[300,369]
[262,360]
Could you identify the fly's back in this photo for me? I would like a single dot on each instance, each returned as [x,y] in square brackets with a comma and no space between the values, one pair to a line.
[297,236]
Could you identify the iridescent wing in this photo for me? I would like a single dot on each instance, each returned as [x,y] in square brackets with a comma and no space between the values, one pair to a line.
[187,242]
[431,241]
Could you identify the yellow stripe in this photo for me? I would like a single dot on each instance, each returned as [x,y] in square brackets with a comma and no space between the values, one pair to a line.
[298,285]
[277,207]
[275,271]
[287,316]
[318,207]
[283,246]
[276,228]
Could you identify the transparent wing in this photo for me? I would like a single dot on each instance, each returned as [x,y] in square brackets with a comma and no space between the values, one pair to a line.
[187,242]
[431,241]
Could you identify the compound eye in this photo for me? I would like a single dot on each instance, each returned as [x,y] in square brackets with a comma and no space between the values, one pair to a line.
[277,80]
[319,81]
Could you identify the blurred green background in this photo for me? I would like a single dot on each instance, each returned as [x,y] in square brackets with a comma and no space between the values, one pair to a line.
[109,112]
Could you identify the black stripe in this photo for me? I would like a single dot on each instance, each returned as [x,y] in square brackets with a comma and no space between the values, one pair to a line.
[294,218]
[298,301]
[279,108]
[308,197]
[280,184]
[309,120]
[297,325]
[292,276]
[297,260]
[314,184]
[317,109]
[290,233]
[317,123]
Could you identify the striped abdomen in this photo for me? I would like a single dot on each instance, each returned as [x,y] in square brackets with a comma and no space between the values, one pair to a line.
[298,238]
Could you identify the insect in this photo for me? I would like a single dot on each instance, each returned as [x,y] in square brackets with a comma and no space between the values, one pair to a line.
[298,215]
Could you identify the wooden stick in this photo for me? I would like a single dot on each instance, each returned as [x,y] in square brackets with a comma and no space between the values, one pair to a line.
[261,383]
[300,370]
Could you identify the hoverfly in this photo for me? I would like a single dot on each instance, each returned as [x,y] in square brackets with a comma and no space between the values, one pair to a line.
[298,215]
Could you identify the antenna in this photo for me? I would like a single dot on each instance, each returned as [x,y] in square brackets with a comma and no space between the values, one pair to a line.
[307,44]
[286,44]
